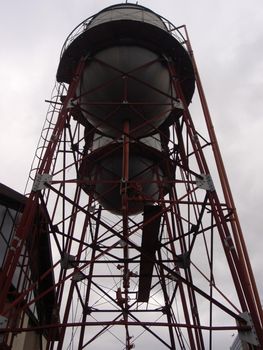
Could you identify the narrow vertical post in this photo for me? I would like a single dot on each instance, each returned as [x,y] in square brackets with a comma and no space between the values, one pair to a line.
[125,210]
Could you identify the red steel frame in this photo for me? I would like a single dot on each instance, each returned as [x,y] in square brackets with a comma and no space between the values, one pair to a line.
[96,255]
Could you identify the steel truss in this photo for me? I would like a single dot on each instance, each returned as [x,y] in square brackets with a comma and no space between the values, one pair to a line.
[201,283]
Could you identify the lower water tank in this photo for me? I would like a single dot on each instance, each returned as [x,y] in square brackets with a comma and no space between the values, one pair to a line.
[101,174]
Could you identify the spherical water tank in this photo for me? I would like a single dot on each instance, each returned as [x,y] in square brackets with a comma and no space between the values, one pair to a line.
[131,60]
[123,83]
[101,175]
[128,50]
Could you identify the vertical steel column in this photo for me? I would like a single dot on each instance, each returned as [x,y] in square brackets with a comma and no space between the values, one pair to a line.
[27,220]
[244,261]
[237,259]
[89,282]
[125,210]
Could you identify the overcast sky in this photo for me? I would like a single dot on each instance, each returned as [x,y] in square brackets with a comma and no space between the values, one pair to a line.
[227,38]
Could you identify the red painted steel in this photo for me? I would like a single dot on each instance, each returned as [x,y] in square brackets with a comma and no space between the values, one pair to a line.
[97,254]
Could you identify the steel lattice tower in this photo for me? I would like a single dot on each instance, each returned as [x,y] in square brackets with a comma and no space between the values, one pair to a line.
[134,200]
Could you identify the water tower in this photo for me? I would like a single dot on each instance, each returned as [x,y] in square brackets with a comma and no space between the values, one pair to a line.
[146,244]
